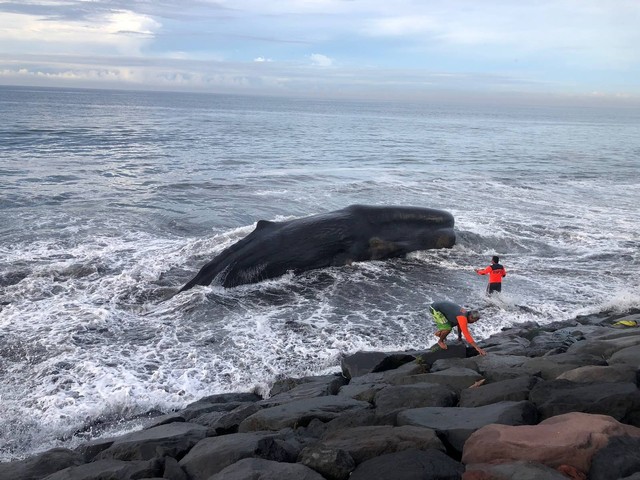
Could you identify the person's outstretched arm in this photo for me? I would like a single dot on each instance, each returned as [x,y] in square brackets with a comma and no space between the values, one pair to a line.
[463,326]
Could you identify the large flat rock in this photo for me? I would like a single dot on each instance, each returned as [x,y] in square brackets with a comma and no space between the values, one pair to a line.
[110,469]
[409,465]
[393,399]
[213,454]
[300,413]
[514,390]
[556,397]
[172,440]
[458,423]
[363,443]
[41,465]
[260,469]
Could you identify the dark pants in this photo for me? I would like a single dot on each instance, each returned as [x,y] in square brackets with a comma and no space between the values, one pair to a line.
[494,287]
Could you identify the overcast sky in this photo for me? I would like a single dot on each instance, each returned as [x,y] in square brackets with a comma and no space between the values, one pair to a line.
[564,49]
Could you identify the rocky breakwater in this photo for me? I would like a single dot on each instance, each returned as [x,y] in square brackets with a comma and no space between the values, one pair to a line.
[547,402]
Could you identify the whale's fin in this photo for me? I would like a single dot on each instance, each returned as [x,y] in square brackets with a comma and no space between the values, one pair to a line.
[262,224]
[379,248]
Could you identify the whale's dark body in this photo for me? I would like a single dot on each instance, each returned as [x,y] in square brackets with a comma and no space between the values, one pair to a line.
[353,234]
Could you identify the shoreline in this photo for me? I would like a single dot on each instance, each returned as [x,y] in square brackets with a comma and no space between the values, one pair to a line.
[392,412]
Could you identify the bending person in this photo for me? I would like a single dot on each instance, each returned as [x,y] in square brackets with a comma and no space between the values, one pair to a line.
[447,315]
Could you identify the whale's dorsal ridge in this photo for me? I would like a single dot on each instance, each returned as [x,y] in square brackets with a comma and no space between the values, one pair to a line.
[262,224]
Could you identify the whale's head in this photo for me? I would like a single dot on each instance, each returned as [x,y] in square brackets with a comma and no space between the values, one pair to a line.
[400,230]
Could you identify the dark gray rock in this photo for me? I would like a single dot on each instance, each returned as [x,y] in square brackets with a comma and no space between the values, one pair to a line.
[495,368]
[410,465]
[456,424]
[550,366]
[212,454]
[174,440]
[515,390]
[206,410]
[223,402]
[90,449]
[110,470]
[363,443]
[602,374]
[243,397]
[555,397]
[364,392]
[606,344]
[315,429]
[332,383]
[313,387]
[361,363]
[455,378]
[277,449]
[166,419]
[389,376]
[447,363]
[172,470]
[300,413]
[557,341]
[454,350]
[222,423]
[40,465]
[619,459]
[298,438]
[513,346]
[612,333]
[259,469]
[199,409]
[626,356]
[393,399]
[331,463]
[360,418]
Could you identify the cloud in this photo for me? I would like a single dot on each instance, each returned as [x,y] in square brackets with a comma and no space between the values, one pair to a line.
[118,31]
[588,31]
[261,59]
[320,60]
[401,26]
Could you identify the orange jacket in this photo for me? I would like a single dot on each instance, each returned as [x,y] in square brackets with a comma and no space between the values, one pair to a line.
[464,328]
[495,271]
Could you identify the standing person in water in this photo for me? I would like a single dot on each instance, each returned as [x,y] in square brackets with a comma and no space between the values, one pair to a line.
[447,315]
[496,273]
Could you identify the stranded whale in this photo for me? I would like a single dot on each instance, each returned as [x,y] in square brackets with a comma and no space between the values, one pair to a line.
[353,234]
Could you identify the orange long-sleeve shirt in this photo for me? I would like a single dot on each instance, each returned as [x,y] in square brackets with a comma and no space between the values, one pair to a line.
[463,326]
[496,272]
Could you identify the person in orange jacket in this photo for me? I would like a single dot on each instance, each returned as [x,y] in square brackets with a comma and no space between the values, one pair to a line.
[447,315]
[496,273]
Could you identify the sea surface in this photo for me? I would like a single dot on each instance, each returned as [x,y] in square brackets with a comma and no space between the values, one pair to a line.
[111,200]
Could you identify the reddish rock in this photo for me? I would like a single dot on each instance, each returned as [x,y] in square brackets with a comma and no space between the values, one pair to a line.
[512,471]
[572,472]
[570,439]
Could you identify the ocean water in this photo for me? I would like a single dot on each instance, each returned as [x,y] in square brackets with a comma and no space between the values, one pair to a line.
[110,201]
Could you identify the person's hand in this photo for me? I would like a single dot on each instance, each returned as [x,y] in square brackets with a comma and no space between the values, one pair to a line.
[481,351]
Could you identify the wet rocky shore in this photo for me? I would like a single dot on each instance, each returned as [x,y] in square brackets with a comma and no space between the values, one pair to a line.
[547,402]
